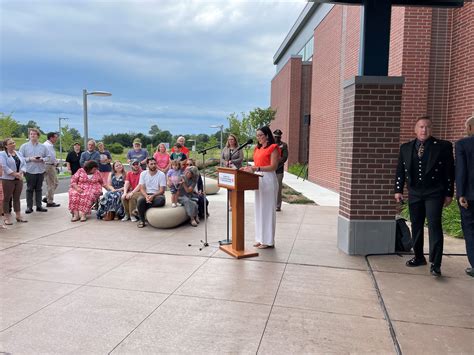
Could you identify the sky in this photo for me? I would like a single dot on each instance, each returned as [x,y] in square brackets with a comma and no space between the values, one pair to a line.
[180,64]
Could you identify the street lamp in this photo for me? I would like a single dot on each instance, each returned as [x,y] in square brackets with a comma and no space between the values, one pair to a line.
[222,130]
[84,100]
[60,144]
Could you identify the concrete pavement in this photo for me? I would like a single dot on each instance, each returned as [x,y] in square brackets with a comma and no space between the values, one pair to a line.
[108,287]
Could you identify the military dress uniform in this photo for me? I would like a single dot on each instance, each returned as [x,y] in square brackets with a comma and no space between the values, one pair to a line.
[428,170]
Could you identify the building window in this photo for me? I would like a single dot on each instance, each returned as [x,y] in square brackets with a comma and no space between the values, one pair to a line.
[307,51]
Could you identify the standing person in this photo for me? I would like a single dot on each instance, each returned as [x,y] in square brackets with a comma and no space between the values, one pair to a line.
[90,154]
[104,163]
[162,158]
[265,157]
[85,189]
[35,155]
[50,173]
[230,147]
[465,189]
[152,187]
[138,153]
[281,164]
[427,165]
[14,166]
[2,225]
[131,191]
[181,140]
[174,180]
[73,158]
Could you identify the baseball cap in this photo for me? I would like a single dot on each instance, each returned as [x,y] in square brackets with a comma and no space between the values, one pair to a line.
[135,161]
[137,140]
[277,133]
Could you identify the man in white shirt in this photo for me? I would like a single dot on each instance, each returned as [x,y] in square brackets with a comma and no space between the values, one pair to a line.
[50,172]
[152,187]
[35,154]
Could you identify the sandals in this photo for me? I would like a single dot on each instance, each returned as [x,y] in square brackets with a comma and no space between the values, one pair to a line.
[141,224]
[21,220]
[194,223]
[256,245]
[7,222]
[83,219]
[264,246]
[74,219]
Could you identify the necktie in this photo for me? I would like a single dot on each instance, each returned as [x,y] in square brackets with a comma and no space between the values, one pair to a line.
[421,150]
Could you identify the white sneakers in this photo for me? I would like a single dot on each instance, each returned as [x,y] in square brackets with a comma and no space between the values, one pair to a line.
[128,218]
[174,205]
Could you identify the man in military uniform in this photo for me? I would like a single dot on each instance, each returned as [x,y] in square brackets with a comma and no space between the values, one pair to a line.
[426,164]
[281,164]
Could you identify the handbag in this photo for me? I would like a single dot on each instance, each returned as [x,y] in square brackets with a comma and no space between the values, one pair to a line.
[109,216]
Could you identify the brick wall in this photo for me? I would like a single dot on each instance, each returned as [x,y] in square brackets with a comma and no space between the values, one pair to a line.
[370,146]
[325,102]
[286,100]
[461,74]
[307,71]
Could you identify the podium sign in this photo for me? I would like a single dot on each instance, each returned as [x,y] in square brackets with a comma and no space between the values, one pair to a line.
[237,181]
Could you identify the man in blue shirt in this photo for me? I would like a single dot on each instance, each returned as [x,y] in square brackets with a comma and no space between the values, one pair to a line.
[90,154]
[35,154]
[138,153]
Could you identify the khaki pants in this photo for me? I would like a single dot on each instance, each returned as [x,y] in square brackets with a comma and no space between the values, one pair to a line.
[280,186]
[130,205]
[51,179]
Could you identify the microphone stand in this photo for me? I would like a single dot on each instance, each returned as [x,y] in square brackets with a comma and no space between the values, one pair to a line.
[204,242]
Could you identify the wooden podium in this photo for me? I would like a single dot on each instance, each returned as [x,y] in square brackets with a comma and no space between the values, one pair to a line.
[237,181]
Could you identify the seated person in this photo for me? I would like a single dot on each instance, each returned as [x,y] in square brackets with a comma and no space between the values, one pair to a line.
[200,191]
[131,192]
[178,154]
[110,205]
[85,189]
[188,197]
[175,177]
[152,187]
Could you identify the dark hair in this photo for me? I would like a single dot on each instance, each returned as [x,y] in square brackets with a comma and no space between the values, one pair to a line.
[150,159]
[268,132]
[89,165]
[51,134]
[178,145]
[425,117]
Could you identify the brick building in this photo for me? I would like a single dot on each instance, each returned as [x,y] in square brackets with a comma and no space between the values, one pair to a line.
[431,48]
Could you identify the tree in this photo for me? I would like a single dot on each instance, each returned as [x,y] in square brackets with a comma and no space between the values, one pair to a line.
[260,117]
[67,139]
[154,130]
[238,127]
[8,125]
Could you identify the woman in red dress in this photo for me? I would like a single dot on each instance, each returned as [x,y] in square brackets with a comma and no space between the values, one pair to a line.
[265,158]
[85,189]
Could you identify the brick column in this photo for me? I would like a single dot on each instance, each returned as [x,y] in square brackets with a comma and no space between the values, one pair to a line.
[369,152]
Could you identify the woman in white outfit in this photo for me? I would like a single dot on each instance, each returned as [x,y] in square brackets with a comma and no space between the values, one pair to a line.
[266,156]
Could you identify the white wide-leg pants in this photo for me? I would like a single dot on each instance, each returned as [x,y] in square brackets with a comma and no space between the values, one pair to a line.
[265,205]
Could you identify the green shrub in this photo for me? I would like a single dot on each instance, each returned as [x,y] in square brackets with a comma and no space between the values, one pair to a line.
[116,148]
[296,168]
[451,219]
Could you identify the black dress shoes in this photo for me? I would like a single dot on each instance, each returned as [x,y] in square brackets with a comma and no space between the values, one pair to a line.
[435,270]
[41,209]
[45,200]
[52,204]
[29,210]
[415,262]
[470,271]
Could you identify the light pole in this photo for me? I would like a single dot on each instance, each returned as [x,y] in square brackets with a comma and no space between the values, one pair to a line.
[221,126]
[60,144]
[85,93]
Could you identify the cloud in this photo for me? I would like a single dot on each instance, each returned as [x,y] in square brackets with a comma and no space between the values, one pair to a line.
[166,58]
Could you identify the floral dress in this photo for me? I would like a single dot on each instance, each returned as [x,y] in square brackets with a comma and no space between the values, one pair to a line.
[91,186]
[112,202]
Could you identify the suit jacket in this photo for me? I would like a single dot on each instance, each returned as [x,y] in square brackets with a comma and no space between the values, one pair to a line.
[438,179]
[465,168]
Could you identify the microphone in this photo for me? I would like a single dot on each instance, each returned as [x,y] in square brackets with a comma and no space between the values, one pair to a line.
[206,149]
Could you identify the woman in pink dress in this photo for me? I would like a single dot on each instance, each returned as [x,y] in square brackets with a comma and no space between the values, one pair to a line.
[162,158]
[85,189]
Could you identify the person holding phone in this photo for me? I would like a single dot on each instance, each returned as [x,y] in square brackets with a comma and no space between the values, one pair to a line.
[35,155]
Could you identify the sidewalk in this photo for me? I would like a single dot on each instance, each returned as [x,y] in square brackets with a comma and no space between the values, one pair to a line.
[107,287]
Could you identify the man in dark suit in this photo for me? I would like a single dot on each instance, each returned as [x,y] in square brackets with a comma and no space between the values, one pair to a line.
[465,189]
[426,164]
[281,164]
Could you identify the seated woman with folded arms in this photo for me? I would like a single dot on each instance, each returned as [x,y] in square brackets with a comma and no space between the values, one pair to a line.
[110,206]
[85,189]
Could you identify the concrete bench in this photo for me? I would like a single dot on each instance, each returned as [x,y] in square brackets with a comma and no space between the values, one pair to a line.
[166,217]
[211,186]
